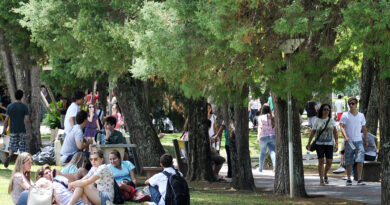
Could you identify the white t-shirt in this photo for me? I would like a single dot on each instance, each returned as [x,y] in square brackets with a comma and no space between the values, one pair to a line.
[353,125]
[161,180]
[71,112]
[339,106]
[254,105]
[105,184]
[211,130]
[326,137]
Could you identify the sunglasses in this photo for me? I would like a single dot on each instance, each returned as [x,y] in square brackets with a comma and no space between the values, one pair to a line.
[352,103]
[93,159]
[326,109]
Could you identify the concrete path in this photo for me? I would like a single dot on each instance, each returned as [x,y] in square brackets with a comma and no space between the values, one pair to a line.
[369,193]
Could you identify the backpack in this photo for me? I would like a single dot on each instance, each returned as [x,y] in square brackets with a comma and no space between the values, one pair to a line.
[177,190]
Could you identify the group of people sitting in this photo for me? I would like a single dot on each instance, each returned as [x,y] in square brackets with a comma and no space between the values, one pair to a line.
[74,184]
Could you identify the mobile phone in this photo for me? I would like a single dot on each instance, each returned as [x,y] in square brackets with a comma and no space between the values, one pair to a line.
[54,172]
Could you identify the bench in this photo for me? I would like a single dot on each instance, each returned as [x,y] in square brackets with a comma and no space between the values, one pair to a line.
[181,153]
[312,158]
[371,171]
[4,143]
[150,171]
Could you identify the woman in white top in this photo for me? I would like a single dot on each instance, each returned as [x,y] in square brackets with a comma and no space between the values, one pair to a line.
[214,140]
[20,179]
[100,175]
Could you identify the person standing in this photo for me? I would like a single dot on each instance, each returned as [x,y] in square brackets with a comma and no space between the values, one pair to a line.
[352,123]
[311,110]
[18,113]
[339,105]
[254,106]
[266,136]
[70,117]
[325,130]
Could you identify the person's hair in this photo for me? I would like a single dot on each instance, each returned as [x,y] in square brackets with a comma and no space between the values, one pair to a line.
[166,160]
[43,86]
[352,99]
[78,159]
[319,114]
[18,94]
[81,117]
[339,96]
[117,154]
[265,110]
[81,172]
[77,95]
[111,120]
[208,104]
[208,123]
[99,153]
[20,160]
[41,172]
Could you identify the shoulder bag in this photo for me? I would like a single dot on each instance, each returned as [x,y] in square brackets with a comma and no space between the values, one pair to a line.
[40,196]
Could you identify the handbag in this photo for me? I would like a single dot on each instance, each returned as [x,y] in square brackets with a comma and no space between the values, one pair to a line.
[40,196]
[313,145]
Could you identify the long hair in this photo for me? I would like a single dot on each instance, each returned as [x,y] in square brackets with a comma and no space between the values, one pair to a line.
[20,161]
[78,159]
[117,154]
[265,110]
[319,114]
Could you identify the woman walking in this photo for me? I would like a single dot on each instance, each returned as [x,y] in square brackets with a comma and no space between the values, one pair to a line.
[266,136]
[325,130]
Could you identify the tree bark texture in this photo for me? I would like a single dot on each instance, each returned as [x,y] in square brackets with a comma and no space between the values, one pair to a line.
[282,178]
[237,121]
[23,73]
[130,96]
[199,166]
[369,94]
[102,89]
[384,128]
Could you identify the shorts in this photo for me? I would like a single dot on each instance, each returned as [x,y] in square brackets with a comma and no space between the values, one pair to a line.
[17,141]
[103,198]
[324,151]
[216,159]
[356,155]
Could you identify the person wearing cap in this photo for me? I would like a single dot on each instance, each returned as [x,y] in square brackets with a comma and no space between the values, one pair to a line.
[351,124]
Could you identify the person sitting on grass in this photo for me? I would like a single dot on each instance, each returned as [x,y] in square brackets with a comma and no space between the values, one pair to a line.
[123,172]
[99,175]
[158,182]
[20,178]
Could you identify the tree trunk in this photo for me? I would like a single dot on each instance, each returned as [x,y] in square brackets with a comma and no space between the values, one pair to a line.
[199,166]
[282,178]
[384,128]
[5,51]
[130,96]
[35,109]
[102,88]
[368,94]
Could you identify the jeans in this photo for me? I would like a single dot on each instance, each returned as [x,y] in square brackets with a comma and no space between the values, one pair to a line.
[268,141]
[154,194]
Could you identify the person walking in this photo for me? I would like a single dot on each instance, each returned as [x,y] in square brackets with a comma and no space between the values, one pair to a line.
[352,124]
[339,105]
[325,130]
[266,136]
[20,123]
[70,117]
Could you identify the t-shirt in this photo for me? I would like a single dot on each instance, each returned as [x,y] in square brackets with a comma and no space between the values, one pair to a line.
[105,184]
[326,137]
[69,146]
[254,105]
[161,180]
[115,138]
[353,125]
[271,104]
[124,173]
[211,130]
[339,106]
[266,128]
[71,112]
[16,112]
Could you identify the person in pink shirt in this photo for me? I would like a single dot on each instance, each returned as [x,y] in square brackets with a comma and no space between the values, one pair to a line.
[266,135]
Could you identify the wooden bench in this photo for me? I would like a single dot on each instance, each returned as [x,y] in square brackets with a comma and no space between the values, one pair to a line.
[371,171]
[107,148]
[181,157]
[150,171]
[4,143]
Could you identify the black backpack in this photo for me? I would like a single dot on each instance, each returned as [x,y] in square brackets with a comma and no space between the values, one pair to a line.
[177,190]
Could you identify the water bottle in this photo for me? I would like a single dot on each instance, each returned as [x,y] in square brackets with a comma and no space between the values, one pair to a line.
[103,139]
[351,145]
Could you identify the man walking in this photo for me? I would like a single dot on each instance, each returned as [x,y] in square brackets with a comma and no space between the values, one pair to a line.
[352,123]
[18,113]
[70,117]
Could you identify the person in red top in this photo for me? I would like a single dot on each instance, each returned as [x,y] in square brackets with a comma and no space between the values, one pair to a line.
[89,96]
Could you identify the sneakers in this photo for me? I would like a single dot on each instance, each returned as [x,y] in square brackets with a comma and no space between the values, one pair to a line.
[361,182]
[349,183]
[339,170]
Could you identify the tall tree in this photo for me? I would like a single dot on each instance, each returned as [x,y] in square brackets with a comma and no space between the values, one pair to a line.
[19,57]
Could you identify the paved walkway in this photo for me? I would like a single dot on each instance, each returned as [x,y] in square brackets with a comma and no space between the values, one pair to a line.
[369,194]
